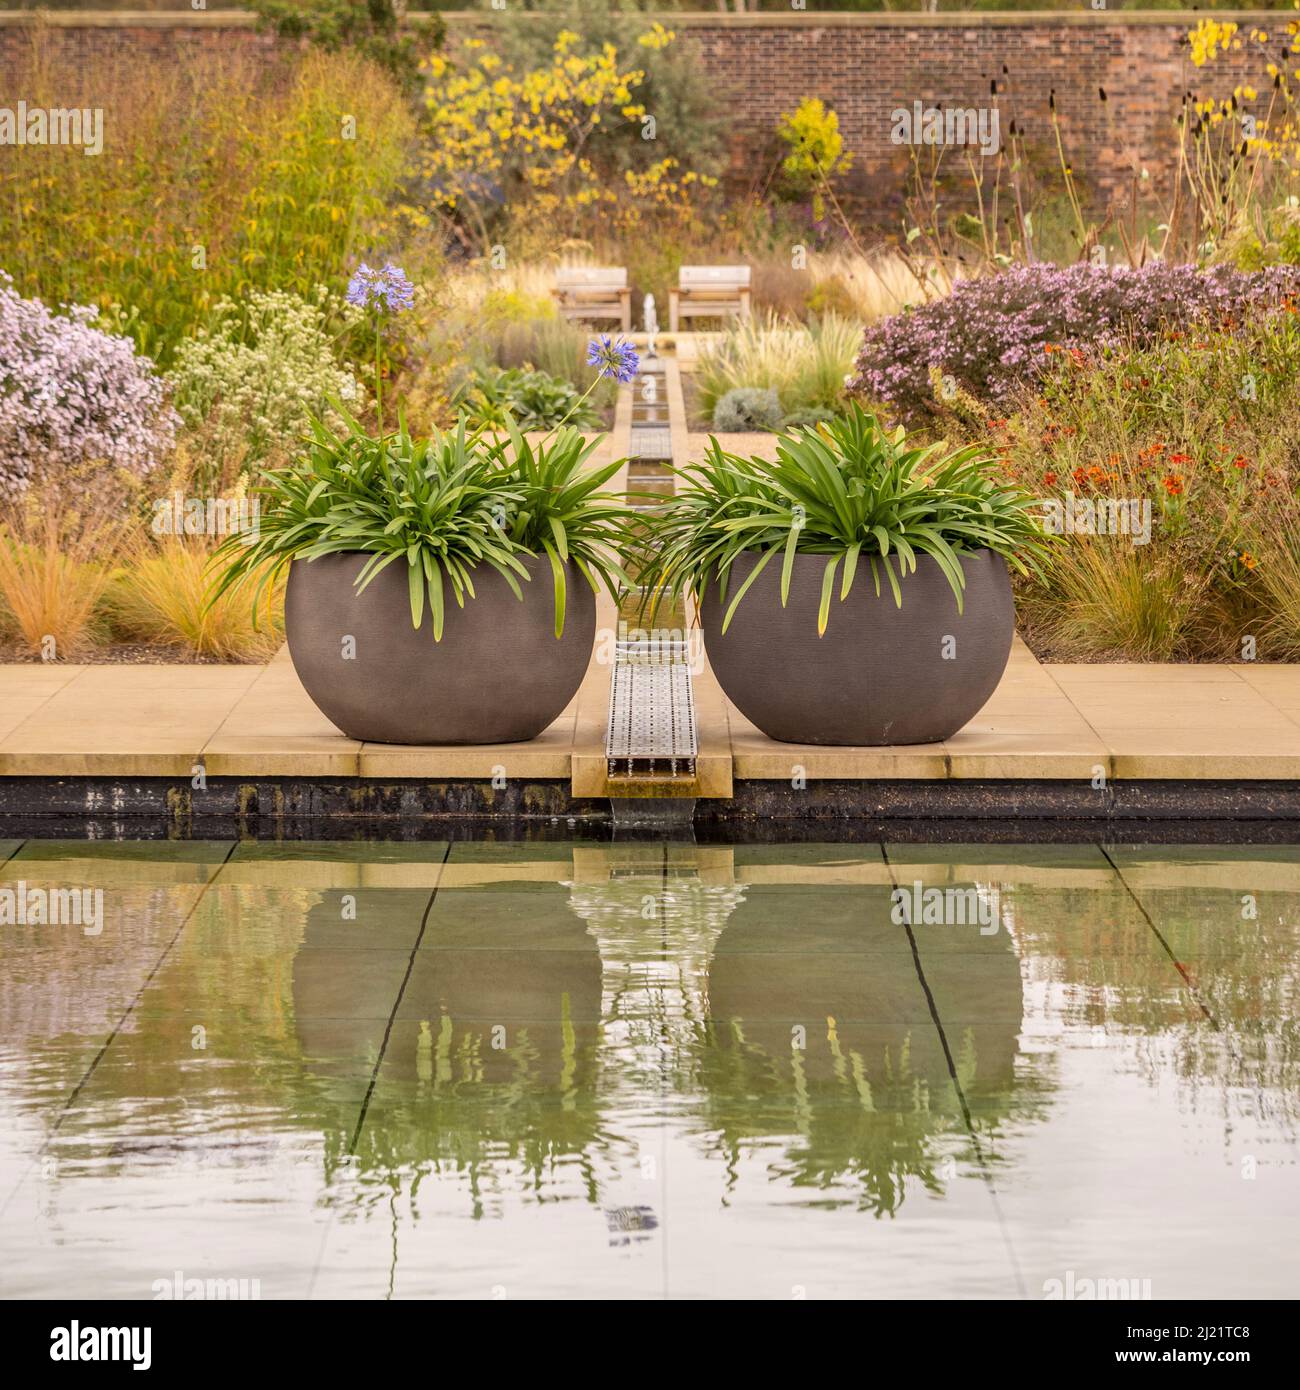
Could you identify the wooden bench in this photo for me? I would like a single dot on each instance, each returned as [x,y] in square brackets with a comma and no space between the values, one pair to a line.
[709,291]
[594,292]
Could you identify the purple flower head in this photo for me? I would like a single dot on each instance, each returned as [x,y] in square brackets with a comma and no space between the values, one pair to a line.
[387,290]
[613,358]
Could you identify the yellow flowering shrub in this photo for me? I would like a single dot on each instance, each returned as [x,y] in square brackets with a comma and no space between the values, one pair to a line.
[817,154]
[1241,151]
[1274,132]
[538,138]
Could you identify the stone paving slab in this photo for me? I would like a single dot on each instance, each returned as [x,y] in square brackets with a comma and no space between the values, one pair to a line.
[1043,722]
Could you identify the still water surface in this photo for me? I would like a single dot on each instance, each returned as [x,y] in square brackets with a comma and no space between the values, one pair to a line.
[646,1070]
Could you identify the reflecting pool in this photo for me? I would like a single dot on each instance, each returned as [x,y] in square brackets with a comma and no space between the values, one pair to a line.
[493,1069]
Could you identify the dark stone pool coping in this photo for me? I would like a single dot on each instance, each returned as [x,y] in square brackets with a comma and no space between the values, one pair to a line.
[346,808]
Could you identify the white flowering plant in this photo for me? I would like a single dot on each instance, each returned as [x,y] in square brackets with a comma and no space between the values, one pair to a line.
[253,379]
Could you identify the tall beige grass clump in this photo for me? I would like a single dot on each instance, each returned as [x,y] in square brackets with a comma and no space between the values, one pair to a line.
[162,596]
[55,566]
[805,364]
[874,287]
[1275,566]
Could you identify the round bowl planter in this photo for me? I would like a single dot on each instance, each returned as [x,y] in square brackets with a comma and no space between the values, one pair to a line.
[881,674]
[499,674]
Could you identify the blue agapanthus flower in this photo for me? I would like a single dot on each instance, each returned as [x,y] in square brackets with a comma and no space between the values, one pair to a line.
[613,358]
[388,289]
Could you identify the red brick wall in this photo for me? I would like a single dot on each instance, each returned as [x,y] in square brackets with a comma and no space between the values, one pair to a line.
[70,46]
[866,71]
[862,65]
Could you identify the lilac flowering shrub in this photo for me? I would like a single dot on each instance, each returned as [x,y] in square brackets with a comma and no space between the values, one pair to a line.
[993,336]
[71,394]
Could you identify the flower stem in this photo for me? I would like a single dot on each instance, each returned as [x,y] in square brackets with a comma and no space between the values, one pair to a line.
[379,381]
[577,405]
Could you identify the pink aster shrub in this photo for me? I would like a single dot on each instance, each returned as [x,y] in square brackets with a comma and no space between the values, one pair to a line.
[72,395]
[993,335]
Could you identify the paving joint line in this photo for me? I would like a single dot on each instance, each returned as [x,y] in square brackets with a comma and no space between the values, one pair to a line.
[117,1028]
[985,1171]
[139,994]
[370,1090]
[1177,964]
[397,1004]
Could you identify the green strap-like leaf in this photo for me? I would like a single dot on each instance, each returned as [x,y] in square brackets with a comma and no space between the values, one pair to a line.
[415,583]
[787,565]
[560,588]
[740,593]
[828,586]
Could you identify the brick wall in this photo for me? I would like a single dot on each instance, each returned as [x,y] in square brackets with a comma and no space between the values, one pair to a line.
[70,41]
[871,65]
[864,66]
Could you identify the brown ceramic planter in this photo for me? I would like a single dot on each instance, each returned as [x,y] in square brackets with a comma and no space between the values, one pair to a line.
[499,675]
[880,674]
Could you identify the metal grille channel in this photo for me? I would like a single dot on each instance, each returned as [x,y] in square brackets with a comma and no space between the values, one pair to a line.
[651,729]
[651,442]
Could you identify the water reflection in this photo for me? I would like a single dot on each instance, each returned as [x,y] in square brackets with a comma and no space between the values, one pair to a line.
[322,1060]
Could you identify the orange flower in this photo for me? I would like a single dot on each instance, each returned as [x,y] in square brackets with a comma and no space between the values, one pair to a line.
[1241,461]
[1248,559]
[1048,479]
[1173,484]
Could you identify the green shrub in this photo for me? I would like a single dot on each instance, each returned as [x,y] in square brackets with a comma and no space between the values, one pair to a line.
[807,417]
[690,114]
[747,409]
[372,28]
[534,400]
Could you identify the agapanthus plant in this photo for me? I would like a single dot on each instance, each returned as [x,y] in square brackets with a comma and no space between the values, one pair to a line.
[848,490]
[381,294]
[388,289]
[442,507]
[614,358]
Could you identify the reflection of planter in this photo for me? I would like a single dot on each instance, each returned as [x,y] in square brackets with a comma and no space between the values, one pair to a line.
[879,675]
[499,675]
